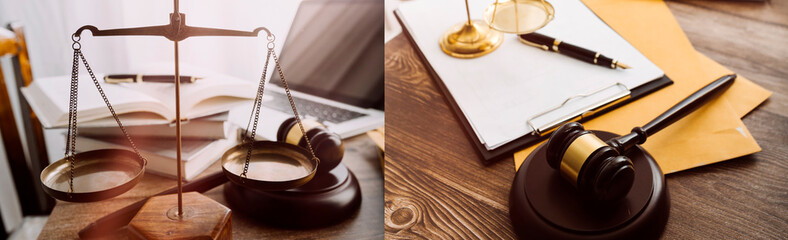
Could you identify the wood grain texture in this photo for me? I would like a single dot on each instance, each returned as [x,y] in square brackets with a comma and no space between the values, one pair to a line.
[360,156]
[203,218]
[437,188]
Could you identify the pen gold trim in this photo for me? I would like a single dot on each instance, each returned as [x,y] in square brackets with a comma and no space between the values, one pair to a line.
[543,47]
[137,79]
[579,114]
[582,54]
[616,63]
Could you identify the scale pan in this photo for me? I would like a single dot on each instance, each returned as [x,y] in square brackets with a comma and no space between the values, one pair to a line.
[98,175]
[273,166]
[518,16]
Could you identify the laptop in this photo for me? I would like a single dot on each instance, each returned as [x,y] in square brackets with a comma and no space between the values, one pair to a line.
[332,60]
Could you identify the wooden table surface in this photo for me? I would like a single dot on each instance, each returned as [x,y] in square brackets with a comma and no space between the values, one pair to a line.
[436,188]
[360,156]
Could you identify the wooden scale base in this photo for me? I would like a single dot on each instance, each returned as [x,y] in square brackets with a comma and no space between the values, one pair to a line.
[543,205]
[329,198]
[203,218]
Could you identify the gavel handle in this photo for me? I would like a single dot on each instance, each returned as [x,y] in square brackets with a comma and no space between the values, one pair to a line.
[678,111]
[111,223]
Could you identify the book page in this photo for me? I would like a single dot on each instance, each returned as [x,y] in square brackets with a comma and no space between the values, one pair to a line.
[49,97]
[499,92]
[212,93]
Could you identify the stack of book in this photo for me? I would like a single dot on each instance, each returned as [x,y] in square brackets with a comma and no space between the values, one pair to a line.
[147,111]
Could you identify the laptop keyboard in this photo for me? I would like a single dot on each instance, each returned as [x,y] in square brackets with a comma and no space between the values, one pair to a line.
[323,112]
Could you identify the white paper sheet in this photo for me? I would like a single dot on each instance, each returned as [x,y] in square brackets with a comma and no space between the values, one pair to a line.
[500,91]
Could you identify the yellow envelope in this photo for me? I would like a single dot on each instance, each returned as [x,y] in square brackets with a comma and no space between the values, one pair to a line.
[714,132]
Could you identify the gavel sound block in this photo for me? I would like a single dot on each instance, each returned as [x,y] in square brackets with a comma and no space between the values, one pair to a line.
[598,185]
[330,197]
[543,205]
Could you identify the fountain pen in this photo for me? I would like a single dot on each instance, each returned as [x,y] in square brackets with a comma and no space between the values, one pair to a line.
[131,78]
[548,43]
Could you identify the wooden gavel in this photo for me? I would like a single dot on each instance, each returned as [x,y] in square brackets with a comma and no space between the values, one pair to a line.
[328,145]
[600,170]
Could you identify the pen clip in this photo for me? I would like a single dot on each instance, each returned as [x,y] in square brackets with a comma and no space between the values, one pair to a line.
[543,47]
[137,79]
[107,79]
[581,113]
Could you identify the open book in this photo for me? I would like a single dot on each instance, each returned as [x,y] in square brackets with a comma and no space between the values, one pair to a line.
[135,103]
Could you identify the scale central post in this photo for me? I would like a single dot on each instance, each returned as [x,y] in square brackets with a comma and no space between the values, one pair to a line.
[176,21]
[201,217]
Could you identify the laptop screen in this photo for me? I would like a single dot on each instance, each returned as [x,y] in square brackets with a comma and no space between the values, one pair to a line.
[334,50]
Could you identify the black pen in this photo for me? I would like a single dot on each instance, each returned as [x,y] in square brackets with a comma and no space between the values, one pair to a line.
[130,78]
[547,43]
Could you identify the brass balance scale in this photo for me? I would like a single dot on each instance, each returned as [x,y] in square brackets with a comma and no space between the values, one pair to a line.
[101,174]
[476,38]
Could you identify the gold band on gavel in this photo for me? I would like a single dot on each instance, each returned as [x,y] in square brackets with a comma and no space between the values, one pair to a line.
[577,153]
[294,135]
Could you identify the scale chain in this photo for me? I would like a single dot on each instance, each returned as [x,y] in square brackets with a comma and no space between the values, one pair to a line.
[256,110]
[295,112]
[72,112]
[258,103]
[109,106]
[71,133]
[258,98]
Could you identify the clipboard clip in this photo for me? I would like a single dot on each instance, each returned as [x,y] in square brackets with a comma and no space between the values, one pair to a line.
[579,114]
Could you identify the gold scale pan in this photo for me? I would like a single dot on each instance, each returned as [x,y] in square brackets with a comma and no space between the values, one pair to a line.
[103,174]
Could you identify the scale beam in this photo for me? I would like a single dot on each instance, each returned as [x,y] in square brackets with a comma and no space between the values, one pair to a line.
[177,30]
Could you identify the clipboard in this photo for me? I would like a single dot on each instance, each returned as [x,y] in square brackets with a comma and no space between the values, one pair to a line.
[542,131]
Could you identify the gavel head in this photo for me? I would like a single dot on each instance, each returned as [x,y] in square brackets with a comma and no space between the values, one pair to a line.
[327,145]
[597,170]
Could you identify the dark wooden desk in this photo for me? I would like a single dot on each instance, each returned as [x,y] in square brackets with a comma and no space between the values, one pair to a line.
[360,156]
[436,188]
